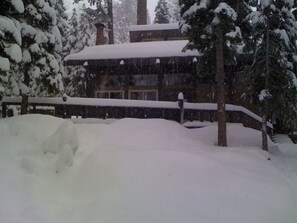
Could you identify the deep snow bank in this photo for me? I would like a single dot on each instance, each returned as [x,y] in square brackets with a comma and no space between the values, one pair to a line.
[63,142]
[140,171]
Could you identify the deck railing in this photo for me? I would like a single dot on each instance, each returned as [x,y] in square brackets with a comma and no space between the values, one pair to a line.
[118,108]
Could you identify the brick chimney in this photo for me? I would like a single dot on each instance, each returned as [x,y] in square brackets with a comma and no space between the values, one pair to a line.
[141,12]
[100,39]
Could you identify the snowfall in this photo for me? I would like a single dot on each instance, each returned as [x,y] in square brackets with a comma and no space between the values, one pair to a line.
[141,171]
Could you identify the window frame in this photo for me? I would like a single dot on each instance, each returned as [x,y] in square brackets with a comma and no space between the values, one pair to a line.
[109,93]
[142,91]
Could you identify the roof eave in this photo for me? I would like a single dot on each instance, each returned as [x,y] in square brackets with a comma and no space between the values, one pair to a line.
[133,61]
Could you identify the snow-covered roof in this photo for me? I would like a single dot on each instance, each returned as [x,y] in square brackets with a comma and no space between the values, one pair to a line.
[151,27]
[139,50]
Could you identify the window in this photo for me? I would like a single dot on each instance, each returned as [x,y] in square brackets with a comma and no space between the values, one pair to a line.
[177,79]
[150,95]
[110,94]
[145,80]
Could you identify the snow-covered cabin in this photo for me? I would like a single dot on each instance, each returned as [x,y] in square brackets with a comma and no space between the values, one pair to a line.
[153,66]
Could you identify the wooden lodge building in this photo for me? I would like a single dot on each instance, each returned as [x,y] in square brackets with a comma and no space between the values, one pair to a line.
[153,66]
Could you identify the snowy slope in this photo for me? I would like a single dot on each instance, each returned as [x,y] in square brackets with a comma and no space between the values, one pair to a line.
[134,170]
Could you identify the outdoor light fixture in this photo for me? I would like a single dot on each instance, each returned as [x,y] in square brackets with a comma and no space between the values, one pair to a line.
[64,97]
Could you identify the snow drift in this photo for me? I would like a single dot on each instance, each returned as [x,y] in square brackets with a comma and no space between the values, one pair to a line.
[134,170]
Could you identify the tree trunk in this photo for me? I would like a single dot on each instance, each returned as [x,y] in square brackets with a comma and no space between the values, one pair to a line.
[110,23]
[265,105]
[222,138]
[25,96]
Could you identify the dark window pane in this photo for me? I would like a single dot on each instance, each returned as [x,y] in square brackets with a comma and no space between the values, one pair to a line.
[145,80]
[102,95]
[135,95]
[150,96]
[116,95]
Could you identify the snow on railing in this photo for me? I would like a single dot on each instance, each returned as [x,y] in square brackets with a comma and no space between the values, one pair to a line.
[229,107]
[129,103]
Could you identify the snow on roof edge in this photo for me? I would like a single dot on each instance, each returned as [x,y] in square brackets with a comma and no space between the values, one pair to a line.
[155,49]
[152,27]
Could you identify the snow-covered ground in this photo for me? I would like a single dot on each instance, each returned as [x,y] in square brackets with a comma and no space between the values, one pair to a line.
[141,171]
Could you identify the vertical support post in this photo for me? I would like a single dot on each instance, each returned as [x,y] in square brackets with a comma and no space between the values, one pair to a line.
[201,116]
[4,110]
[64,98]
[126,79]
[181,103]
[160,80]
[195,79]
[64,111]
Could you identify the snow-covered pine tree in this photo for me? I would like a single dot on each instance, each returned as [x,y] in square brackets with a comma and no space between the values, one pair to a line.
[272,80]
[40,73]
[81,35]
[162,14]
[62,24]
[73,32]
[100,14]
[87,32]
[124,16]
[71,47]
[174,10]
[213,31]
[10,41]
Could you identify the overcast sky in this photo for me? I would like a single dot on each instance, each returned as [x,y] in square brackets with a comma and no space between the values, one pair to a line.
[151,4]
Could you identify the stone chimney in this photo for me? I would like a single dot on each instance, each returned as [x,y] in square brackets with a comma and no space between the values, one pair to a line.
[141,12]
[100,39]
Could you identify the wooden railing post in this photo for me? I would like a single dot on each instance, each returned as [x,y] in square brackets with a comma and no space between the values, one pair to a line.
[64,98]
[4,110]
[181,103]
[201,116]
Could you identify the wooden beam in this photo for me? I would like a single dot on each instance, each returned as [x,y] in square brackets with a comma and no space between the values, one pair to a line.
[160,80]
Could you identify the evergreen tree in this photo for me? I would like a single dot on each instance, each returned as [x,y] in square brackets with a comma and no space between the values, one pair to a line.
[101,13]
[174,10]
[162,12]
[124,17]
[40,72]
[87,33]
[70,48]
[212,26]
[82,33]
[80,37]
[272,80]
[10,41]
[73,33]
[62,24]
